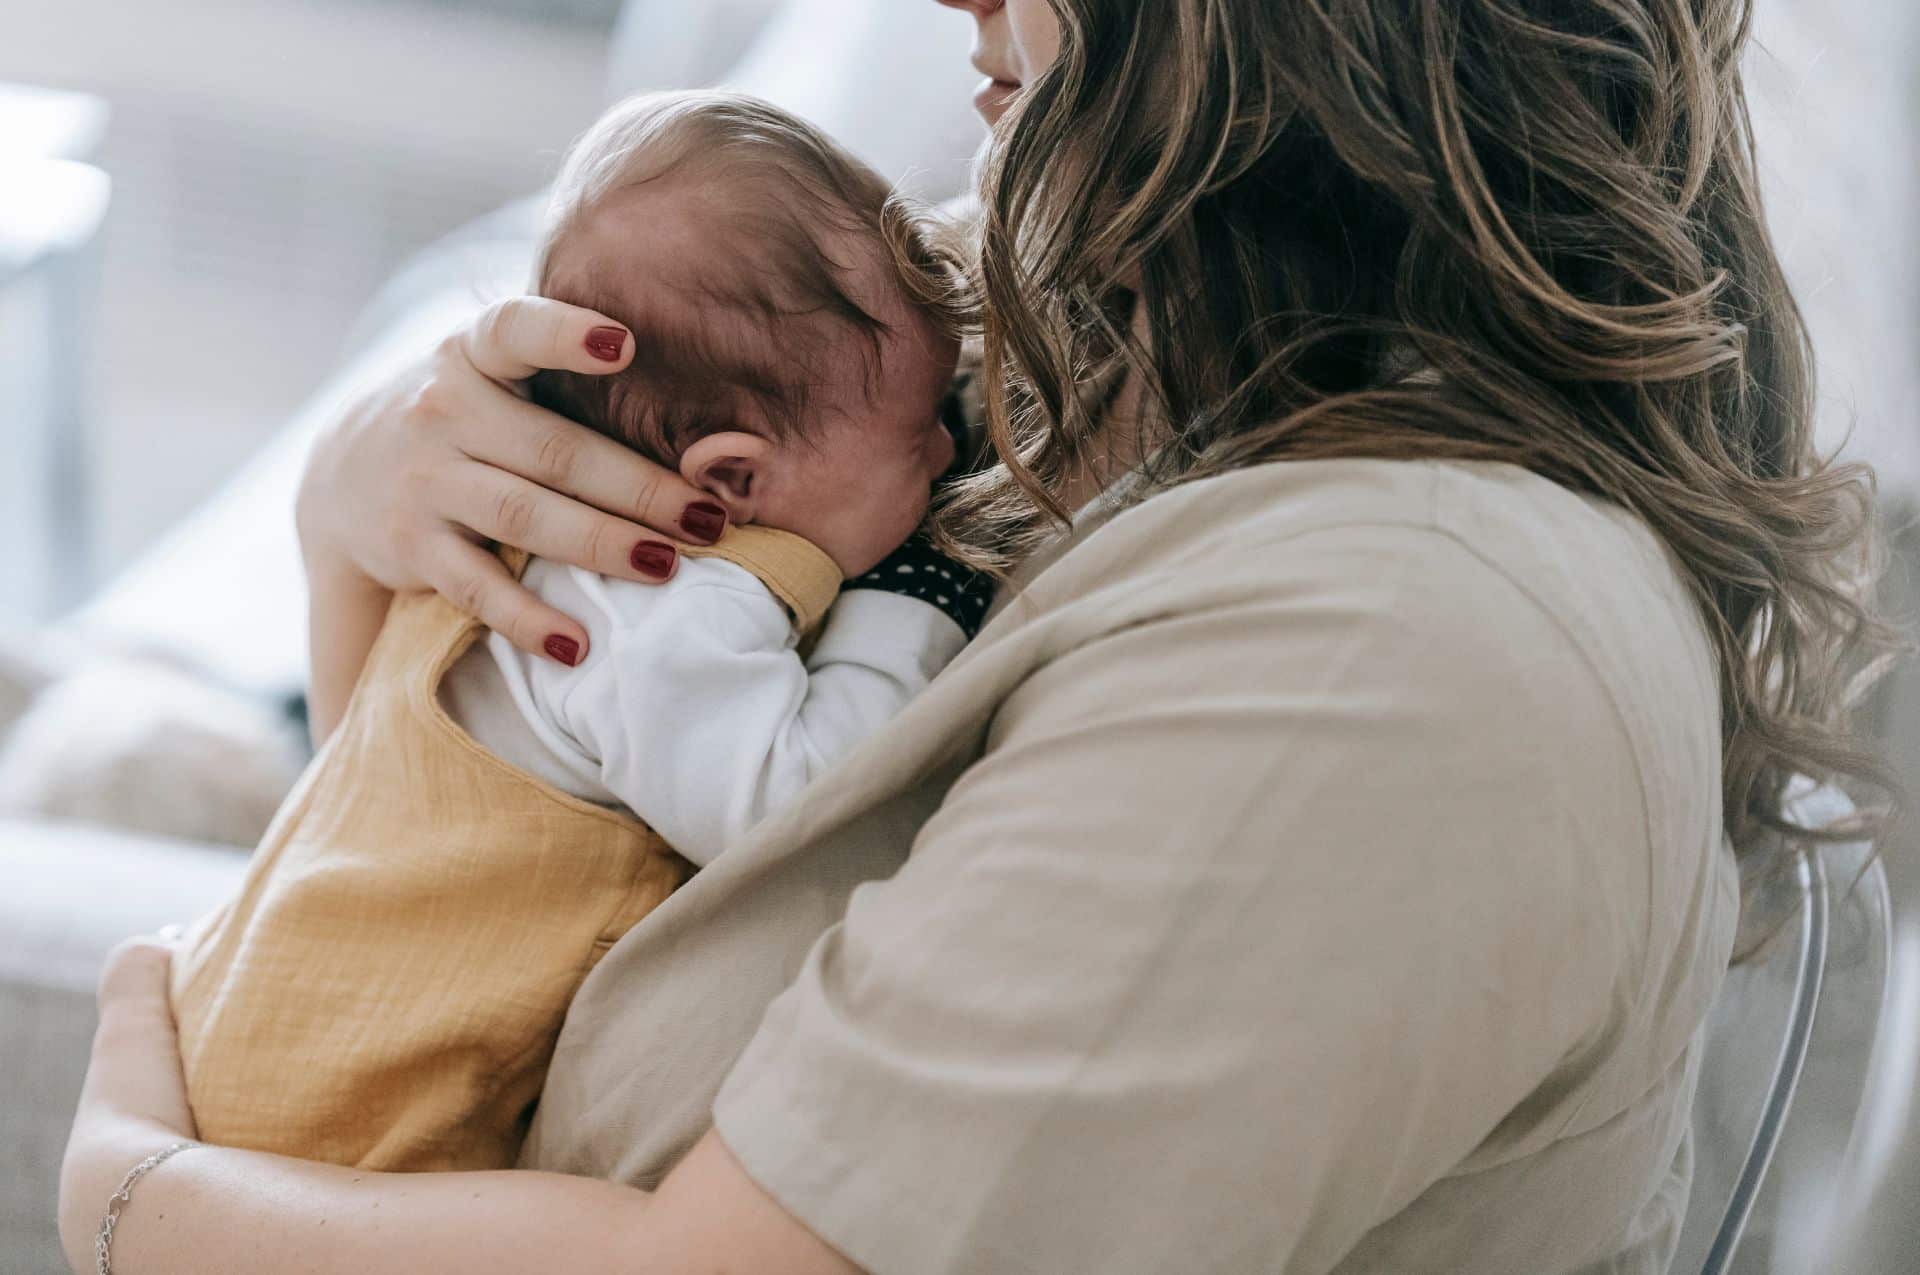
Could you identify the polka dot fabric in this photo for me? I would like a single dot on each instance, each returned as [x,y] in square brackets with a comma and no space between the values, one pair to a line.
[917,570]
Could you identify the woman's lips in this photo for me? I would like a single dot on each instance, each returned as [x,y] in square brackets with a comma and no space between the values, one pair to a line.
[993,97]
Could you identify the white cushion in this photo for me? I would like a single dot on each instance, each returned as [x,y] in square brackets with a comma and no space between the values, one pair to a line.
[671,44]
[889,78]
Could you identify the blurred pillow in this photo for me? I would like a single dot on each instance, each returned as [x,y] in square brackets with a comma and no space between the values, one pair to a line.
[671,44]
[888,78]
[145,746]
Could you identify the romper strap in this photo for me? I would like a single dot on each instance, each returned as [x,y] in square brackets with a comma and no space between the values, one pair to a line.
[516,559]
[797,571]
[794,569]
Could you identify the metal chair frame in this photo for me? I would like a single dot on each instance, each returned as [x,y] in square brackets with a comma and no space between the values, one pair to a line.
[1812,919]
[1820,938]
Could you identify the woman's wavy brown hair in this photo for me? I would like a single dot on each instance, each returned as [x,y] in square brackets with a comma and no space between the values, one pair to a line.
[1495,230]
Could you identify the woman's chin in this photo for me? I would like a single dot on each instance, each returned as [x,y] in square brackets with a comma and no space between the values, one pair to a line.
[992,99]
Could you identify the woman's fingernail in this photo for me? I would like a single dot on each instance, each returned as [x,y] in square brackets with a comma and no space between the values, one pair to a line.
[605,344]
[651,558]
[564,649]
[703,521]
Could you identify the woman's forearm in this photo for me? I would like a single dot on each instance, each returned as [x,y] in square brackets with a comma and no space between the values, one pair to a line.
[238,1212]
[344,613]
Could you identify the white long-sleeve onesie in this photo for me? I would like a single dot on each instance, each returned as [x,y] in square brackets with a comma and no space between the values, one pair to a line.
[693,707]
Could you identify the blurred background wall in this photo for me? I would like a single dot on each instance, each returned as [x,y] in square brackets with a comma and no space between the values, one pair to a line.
[1836,98]
[273,160]
[1835,90]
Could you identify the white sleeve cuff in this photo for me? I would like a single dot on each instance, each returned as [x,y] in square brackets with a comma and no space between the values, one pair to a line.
[867,626]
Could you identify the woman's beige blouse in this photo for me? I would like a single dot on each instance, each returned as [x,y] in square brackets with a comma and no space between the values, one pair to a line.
[1316,869]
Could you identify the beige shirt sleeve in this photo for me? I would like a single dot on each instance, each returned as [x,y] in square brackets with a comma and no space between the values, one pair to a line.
[1197,968]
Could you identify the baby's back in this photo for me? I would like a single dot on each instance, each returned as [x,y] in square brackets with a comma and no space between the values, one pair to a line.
[385,989]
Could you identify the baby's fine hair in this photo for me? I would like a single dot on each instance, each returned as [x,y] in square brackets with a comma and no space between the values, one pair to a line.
[743,344]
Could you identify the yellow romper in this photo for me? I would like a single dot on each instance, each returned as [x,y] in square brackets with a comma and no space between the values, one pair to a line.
[386,988]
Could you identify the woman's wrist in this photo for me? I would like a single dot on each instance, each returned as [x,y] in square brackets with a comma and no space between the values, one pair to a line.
[346,608]
[311,507]
[331,573]
[99,1159]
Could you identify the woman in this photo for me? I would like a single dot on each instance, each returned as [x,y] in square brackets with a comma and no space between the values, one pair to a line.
[1322,862]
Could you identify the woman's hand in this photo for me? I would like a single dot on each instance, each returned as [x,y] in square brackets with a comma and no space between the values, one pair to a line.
[134,1101]
[404,489]
[216,1209]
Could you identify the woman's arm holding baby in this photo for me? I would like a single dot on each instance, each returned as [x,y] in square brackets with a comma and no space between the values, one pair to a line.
[217,1209]
[344,613]
[415,475]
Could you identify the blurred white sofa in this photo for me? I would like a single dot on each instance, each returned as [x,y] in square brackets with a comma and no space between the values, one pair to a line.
[890,78]
[223,592]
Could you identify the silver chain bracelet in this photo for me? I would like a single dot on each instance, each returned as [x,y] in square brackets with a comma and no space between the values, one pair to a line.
[103,1242]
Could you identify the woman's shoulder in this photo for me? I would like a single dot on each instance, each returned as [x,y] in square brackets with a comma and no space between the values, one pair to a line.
[1546,635]
[1493,586]
[1511,677]
[1499,507]
[1593,567]
[1481,545]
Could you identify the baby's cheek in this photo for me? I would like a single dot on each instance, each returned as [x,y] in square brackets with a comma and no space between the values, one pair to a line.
[908,509]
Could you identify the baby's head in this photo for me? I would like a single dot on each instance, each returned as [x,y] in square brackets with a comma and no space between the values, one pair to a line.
[792,351]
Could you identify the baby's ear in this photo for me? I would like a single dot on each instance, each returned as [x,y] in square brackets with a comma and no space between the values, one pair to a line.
[730,466]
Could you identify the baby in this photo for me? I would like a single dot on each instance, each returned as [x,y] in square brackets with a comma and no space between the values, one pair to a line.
[387,986]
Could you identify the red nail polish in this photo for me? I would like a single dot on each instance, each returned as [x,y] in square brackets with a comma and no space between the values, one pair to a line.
[703,521]
[651,558]
[605,344]
[564,649]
